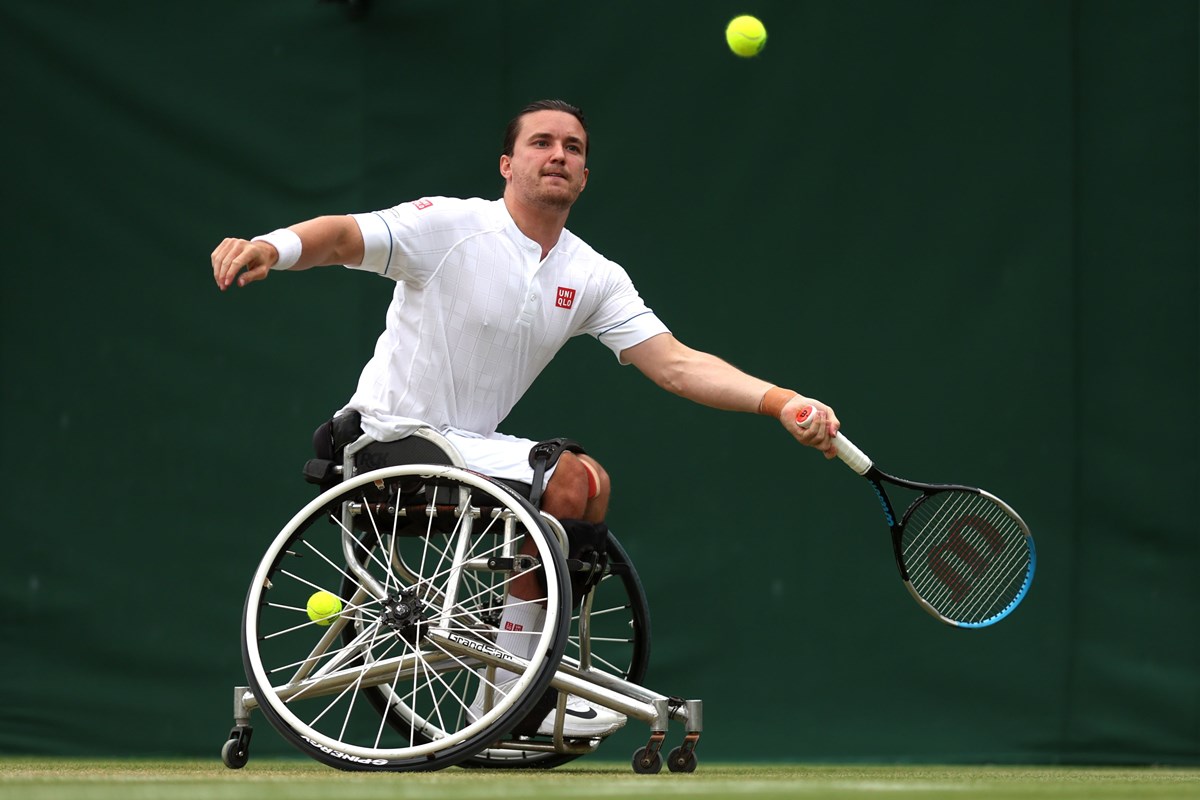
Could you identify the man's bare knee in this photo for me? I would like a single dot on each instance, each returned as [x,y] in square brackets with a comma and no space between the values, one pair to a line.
[566,495]
[599,488]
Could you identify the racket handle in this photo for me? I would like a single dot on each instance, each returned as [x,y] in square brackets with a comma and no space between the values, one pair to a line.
[847,450]
[849,453]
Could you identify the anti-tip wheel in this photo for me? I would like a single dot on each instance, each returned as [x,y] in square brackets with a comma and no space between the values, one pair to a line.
[645,764]
[233,755]
[678,762]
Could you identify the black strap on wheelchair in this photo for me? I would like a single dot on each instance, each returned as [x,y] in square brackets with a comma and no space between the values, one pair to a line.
[587,555]
[543,456]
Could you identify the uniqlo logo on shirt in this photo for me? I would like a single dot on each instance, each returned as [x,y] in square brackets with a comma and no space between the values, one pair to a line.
[566,297]
[512,626]
[423,203]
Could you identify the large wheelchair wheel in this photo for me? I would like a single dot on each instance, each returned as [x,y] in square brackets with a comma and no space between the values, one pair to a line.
[420,558]
[610,632]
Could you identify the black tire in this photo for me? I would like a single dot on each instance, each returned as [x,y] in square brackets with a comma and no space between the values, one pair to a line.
[646,765]
[678,762]
[233,754]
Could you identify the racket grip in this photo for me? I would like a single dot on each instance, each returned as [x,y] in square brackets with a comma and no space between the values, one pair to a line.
[849,453]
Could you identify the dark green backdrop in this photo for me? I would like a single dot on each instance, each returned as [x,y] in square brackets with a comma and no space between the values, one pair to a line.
[971,227]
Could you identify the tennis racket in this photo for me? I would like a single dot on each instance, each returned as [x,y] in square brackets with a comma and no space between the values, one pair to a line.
[965,555]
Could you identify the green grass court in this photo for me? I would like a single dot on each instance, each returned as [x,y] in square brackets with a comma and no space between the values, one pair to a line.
[264,779]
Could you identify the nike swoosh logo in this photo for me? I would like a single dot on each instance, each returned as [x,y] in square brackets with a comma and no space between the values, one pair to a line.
[589,714]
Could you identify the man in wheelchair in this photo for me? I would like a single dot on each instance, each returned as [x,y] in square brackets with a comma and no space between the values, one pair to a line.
[486,293]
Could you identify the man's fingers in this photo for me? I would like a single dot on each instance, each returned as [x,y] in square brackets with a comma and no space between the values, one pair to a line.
[234,255]
[220,259]
[256,273]
[224,260]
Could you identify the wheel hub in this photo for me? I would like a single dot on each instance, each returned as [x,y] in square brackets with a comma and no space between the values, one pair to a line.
[405,615]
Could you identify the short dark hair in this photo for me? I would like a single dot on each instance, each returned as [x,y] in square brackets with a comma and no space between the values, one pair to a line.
[514,125]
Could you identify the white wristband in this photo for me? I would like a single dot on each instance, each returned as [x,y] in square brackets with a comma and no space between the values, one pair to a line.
[287,243]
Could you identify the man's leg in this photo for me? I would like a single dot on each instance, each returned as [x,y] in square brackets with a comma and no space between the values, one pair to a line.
[579,488]
[576,490]
[598,490]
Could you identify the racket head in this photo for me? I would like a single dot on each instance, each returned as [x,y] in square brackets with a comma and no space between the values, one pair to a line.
[965,555]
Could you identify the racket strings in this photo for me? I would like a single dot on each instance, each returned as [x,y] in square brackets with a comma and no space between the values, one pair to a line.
[965,555]
[975,570]
[970,571]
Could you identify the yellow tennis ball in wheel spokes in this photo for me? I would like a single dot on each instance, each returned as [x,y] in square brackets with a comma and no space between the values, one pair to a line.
[746,36]
[323,607]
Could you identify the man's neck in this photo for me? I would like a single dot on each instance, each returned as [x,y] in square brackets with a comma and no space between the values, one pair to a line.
[542,225]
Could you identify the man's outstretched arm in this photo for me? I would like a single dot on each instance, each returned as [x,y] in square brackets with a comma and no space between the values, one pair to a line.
[708,380]
[314,243]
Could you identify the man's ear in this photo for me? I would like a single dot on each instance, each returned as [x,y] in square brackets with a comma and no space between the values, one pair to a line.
[505,167]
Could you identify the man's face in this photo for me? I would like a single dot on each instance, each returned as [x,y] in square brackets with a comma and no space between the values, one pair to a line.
[546,169]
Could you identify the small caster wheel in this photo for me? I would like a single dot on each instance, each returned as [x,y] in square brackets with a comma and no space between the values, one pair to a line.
[678,761]
[645,764]
[236,750]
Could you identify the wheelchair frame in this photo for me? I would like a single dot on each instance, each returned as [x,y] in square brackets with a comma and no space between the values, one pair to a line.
[416,632]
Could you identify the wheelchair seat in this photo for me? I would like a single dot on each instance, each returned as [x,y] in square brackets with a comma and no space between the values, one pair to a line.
[423,446]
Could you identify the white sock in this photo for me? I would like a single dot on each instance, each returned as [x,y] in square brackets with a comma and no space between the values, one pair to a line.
[519,622]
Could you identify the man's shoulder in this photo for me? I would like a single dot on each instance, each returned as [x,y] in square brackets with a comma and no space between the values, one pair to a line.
[459,211]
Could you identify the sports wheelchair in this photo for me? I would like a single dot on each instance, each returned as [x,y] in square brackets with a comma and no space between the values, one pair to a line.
[421,553]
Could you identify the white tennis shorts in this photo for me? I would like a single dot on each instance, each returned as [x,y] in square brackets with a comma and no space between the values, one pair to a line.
[498,455]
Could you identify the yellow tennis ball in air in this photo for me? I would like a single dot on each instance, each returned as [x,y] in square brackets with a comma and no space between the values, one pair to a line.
[323,607]
[746,36]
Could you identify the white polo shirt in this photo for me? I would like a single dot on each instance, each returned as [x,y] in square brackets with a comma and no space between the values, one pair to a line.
[477,314]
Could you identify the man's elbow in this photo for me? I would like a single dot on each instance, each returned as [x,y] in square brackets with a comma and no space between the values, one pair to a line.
[674,376]
[664,360]
[346,243]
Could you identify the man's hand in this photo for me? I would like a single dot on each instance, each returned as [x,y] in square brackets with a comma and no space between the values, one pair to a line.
[820,433]
[234,255]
